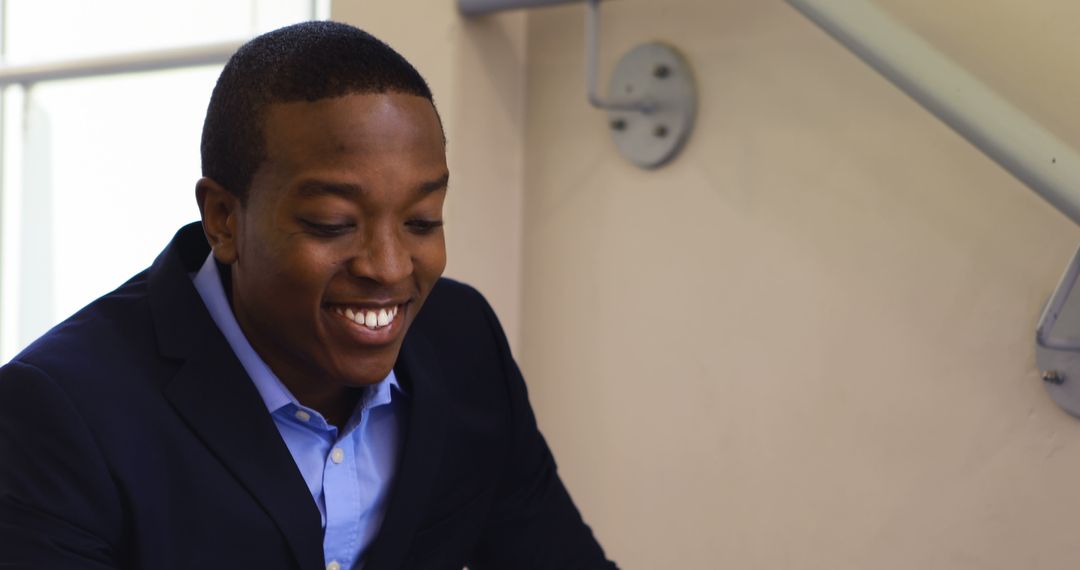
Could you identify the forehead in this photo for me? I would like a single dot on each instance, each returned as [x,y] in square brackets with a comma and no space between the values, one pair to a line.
[356,130]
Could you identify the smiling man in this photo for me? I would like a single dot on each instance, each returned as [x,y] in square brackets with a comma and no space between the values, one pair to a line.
[291,384]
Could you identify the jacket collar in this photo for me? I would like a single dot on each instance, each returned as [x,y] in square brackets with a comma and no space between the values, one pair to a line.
[217,399]
[417,369]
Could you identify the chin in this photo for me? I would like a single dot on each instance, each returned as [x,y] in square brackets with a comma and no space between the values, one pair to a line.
[367,373]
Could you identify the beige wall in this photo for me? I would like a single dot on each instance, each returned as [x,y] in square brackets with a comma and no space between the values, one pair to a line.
[804,344]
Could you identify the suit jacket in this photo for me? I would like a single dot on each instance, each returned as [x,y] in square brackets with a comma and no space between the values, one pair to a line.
[131,437]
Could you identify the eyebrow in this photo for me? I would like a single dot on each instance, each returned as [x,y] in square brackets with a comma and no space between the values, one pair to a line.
[440,183]
[313,188]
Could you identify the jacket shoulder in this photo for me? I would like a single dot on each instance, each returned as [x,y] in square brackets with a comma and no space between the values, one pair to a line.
[451,292]
[105,333]
[458,310]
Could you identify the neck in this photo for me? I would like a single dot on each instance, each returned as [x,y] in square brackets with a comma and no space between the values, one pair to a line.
[334,402]
[337,408]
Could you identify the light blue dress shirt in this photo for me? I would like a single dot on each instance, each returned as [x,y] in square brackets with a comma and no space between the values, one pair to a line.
[349,472]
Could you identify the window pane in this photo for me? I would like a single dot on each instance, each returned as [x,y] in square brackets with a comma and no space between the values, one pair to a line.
[99,173]
[109,173]
[63,29]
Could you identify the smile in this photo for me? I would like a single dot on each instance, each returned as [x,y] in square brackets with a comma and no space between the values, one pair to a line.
[373,319]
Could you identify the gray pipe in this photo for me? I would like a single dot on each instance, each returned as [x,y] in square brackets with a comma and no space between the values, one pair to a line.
[1012,139]
[478,7]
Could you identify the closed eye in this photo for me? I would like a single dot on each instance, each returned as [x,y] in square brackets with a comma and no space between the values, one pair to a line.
[326,230]
[423,226]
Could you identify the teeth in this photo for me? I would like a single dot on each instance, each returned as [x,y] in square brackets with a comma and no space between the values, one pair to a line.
[369,318]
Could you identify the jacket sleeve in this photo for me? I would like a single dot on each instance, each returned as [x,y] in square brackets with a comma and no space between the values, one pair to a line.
[534,523]
[58,506]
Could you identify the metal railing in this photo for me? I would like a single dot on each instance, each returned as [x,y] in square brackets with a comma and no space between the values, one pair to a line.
[1001,131]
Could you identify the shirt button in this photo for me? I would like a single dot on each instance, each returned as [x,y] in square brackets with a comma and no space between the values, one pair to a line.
[333,565]
[302,415]
[337,455]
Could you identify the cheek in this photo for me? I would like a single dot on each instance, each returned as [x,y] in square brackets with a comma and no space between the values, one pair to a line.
[294,278]
[431,261]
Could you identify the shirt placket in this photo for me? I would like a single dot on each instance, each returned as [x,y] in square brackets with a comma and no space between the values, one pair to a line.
[342,500]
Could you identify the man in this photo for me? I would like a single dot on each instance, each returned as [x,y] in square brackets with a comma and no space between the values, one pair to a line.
[269,393]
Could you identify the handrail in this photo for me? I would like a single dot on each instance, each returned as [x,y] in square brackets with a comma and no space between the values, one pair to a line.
[482,7]
[993,125]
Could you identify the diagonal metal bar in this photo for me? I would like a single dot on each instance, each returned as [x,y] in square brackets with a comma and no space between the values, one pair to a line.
[993,125]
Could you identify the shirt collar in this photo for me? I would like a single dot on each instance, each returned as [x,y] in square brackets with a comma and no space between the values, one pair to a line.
[276,396]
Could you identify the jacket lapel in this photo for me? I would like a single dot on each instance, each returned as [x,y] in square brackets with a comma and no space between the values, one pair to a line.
[420,457]
[214,395]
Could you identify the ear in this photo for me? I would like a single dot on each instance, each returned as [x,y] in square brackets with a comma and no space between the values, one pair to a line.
[220,211]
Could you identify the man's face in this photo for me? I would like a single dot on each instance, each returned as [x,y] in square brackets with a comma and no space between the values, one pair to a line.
[340,240]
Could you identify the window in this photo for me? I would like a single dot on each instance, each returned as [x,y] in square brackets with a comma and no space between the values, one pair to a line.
[99,170]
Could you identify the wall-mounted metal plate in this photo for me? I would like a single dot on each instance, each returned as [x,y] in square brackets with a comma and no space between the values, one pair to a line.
[1057,341]
[658,74]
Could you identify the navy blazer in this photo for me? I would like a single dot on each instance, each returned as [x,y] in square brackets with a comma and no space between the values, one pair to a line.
[131,437]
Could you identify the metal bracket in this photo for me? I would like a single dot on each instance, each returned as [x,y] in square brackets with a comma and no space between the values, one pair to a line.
[651,98]
[1058,355]
[661,77]
[615,101]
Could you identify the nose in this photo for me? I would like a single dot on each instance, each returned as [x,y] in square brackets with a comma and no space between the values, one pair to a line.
[381,256]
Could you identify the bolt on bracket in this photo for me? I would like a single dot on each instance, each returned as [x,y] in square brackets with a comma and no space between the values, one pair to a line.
[1057,342]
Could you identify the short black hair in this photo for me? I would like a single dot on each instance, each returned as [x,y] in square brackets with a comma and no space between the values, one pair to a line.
[302,62]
